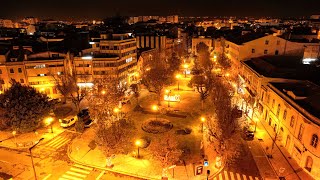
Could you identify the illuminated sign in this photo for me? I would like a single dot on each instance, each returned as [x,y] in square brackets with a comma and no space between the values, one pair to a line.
[85,84]
[86,57]
[129,60]
[174,98]
[308,60]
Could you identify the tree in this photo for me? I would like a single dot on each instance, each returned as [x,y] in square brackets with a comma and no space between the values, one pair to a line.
[165,149]
[157,75]
[174,62]
[222,125]
[114,137]
[203,59]
[24,107]
[67,85]
[106,94]
[203,85]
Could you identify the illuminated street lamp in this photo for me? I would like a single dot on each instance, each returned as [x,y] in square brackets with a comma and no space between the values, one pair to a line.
[203,119]
[168,92]
[14,135]
[103,92]
[178,76]
[138,144]
[48,122]
[156,109]
[30,151]
[116,110]
[185,69]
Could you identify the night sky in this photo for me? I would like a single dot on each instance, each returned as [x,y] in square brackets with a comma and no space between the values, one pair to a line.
[88,9]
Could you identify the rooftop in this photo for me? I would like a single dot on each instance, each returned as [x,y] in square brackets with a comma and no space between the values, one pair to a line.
[245,38]
[288,67]
[304,93]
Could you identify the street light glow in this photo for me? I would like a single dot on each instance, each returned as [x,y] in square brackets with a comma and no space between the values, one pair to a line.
[48,120]
[155,107]
[203,119]
[186,66]
[103,92]
[138,143]
[116,110]
[178,76]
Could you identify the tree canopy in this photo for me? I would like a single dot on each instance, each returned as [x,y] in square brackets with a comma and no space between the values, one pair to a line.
[24,107]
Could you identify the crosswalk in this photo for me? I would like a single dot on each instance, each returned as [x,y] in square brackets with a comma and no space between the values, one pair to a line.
[76,172]
[228,175]
[57,142]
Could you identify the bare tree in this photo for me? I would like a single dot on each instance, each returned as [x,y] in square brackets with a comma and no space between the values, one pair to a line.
[203,58]
[203,85]
[222,125]
[165,149]
[114,137]
[67,85]
[106,94]
[157,75]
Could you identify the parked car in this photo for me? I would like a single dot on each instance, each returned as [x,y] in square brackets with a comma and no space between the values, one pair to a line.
[88,123]
[249,133]
[68,121]
[84,114]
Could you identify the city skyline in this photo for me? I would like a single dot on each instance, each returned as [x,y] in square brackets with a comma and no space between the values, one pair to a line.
[80,9]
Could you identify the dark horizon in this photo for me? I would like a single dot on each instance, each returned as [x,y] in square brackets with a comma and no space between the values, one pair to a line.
[98,9]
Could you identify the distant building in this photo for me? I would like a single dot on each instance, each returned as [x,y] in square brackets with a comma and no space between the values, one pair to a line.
[31,20]
[151,41]
[173,19]
[7,23]
[315,16]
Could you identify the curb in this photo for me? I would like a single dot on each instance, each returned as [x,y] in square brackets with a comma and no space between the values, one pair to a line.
[104,168]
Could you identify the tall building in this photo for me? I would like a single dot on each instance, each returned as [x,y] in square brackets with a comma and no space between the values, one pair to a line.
[114,55]
[173,19]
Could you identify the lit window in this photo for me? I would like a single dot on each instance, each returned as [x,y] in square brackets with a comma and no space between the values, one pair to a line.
[278,110]
[292,121]
[272,105]
[266,42]
[300,132]
[39,66]
[314,140]
[284,115]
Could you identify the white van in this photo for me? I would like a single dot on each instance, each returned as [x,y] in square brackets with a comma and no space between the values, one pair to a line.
[68,121]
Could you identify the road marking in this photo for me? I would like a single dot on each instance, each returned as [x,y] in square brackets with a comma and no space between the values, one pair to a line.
[226,175]
[65,142]
[58,142]
[232,176]
[45,178]
[250,177]
[54,140]
[79,170]
[100,175]
[83,167]
[244,177]
[256,178]
[71,177]
[76,174]
[238,176]
[220,176]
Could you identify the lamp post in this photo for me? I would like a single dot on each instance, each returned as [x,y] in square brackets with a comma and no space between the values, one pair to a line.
[155,108]
[14,136]
[203,119]
[168,92]
[178,76]
[48,122]
[138,144]
[34,170]
[117,110]
[185,69]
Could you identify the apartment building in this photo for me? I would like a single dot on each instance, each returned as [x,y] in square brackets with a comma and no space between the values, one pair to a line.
[253,45]
[293,113]
[114,55]
[33,69]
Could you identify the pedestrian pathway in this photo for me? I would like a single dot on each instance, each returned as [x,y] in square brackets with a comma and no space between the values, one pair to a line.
[229,175]
[57,142]
[76,172]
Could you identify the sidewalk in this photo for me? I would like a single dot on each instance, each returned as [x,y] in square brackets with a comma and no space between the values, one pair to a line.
[281,164]
[144,168]
[26,140]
